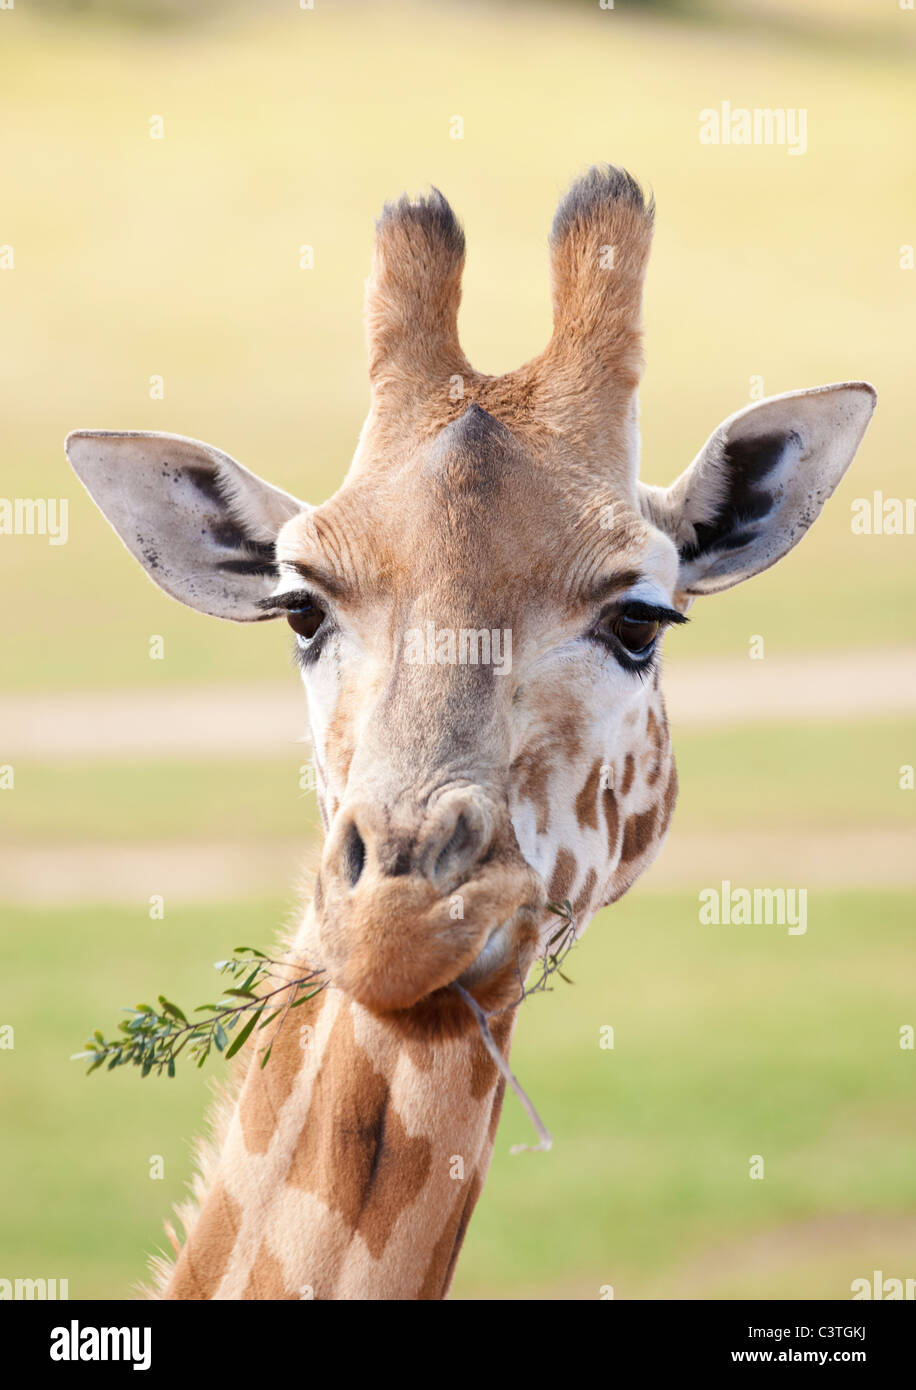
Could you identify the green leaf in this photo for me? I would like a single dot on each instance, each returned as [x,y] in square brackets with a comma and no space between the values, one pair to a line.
[266,1058]
[220,1037]
[173,1009]
[305,997]
[243,1035]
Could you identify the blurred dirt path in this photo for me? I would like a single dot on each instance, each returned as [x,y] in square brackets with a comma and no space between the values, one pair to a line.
[260,721]
[209,872]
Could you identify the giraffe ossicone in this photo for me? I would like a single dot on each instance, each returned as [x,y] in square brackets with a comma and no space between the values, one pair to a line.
[460,792]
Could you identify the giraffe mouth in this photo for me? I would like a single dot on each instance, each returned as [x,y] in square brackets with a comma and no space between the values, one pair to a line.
[492,957]
[500,948]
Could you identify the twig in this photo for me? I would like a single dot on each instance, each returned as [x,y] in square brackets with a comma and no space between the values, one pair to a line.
[564,939]
[545,1138]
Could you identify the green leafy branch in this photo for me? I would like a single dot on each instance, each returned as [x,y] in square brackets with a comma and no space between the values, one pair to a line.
[153,1038]
[555,952]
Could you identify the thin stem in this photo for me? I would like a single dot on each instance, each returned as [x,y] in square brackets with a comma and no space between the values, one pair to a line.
[545,1138]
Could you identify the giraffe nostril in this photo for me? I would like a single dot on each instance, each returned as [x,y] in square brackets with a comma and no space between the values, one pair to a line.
[455,847]
[460,851]
[352,856]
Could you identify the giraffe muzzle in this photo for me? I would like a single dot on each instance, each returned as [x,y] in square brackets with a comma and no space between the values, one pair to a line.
[399,918]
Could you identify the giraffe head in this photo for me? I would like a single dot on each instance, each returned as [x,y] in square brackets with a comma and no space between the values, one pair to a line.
[479,611]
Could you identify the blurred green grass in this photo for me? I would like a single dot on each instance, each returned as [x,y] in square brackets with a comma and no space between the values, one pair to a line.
[654,1137]
[179,257]
[729,1042]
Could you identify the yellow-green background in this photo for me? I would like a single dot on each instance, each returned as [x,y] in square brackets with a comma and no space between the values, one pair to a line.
[179,257]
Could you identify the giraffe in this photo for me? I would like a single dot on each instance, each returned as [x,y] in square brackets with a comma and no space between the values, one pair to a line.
[463,784]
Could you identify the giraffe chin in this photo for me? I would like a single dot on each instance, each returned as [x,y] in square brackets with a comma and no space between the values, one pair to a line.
[494,979]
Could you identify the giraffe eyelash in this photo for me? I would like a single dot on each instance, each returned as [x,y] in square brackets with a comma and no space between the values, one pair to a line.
[651,612]
[289,601]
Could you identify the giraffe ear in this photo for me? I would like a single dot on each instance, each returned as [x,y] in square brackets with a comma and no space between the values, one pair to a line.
[200,524]
[759,482]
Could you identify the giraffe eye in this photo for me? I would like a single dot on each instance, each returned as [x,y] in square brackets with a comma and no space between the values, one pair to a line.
[306,621]
[631,631]
[636,634]
[630,634]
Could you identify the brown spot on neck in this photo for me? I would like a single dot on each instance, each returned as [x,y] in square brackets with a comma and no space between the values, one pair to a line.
[267,1088]
[587,800]
[267,1280]
[483,1068]
[205,1258]
[653,733]
[584,897]
[532,770]
[561,880]
[496,1111]
[638,834]
[441,1268]
[669,800]
[612,816]
[354,1153]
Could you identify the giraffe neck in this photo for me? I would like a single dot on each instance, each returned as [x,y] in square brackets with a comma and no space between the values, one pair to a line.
[351,1163]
